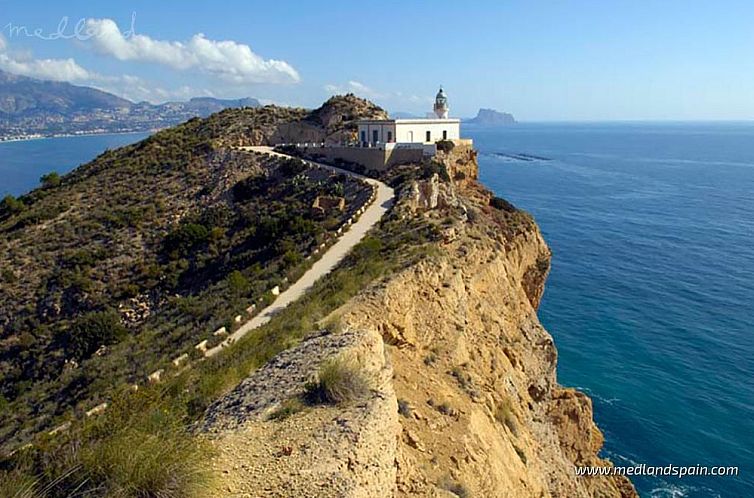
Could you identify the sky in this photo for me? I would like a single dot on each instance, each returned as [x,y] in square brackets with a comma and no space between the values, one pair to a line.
[569,60]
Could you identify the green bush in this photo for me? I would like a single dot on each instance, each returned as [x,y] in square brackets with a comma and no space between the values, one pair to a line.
[445,145]
[339,380]
[433,167]
[93,330]
[502,204]
[11,205]
[50,180]
[237,283]
[184,238]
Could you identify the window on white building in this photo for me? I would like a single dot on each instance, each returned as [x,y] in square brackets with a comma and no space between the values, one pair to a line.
[429,136]
[389,136]
[363,136]
[444,134]
[375,136]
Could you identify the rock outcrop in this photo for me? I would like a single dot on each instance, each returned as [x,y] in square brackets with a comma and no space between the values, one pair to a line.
[323,450]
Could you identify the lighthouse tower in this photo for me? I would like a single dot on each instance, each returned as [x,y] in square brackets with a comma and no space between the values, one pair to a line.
[441,105]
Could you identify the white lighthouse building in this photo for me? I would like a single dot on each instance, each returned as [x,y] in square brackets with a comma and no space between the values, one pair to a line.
[378,132]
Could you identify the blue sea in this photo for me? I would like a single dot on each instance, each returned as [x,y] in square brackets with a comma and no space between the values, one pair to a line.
[23,162]
[651,294]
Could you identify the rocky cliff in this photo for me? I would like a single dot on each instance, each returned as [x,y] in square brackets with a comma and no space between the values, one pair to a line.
[455,342]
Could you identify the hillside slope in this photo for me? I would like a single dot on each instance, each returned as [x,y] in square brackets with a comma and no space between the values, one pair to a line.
[103,282]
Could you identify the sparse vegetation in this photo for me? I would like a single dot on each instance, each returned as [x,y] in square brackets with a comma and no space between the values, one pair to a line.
[50,180]
[502,204]
[458,489]
[91,331]
[433,167]
[445,145]
[504,414]
[339,380]
[287,408]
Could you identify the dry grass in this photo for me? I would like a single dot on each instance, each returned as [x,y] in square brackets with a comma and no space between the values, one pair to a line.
[339,380]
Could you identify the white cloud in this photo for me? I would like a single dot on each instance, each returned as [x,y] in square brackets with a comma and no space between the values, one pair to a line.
[231,61]
[388,99]
[47,69]
[127,86]
[354,87]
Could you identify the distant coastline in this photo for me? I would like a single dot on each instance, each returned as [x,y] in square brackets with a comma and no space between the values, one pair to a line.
[27,138]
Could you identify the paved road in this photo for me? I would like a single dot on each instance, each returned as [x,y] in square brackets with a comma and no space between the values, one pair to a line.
[328,261]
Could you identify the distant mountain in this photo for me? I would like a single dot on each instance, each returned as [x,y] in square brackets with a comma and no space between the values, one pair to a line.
[22,96]
[32,107]
[204,106]
[492,117]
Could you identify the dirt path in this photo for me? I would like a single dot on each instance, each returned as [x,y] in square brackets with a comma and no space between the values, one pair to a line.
[328,261]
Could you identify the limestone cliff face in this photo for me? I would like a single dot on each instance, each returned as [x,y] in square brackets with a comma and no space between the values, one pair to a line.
[474,368]
[473,372]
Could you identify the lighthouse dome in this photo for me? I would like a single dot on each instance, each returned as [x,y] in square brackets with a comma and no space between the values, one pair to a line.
[441,105]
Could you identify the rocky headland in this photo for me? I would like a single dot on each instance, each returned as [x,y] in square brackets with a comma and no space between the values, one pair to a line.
[464,398]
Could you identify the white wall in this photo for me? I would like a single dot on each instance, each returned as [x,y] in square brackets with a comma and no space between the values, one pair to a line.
[382,130]
[420,129]
[411,131]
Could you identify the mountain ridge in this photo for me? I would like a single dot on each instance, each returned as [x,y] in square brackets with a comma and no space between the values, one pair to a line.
[34,107]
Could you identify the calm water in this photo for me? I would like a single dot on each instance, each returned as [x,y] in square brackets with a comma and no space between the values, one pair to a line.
[22,163]
[651,295]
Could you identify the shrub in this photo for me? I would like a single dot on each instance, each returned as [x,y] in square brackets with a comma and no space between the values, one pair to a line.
[339,380]
[286,409]
[135,462]
[18,485]
[184,238]
[50,180]
[92,331]
[237,283]
[504,414]
[502,204]
[445,145]
[11,205]
[454,487]
[433,167]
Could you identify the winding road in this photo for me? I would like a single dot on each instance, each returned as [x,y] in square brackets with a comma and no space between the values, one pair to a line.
[334,255]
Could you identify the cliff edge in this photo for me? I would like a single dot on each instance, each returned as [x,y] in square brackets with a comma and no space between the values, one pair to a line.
[464,398]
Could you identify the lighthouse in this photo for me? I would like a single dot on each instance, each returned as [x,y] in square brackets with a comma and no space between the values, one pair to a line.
[441,105]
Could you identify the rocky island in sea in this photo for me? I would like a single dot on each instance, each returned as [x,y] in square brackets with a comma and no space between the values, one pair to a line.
[491,117]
